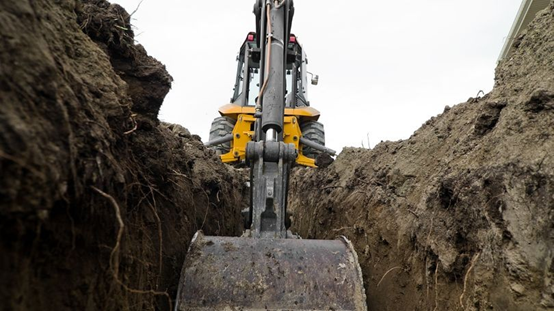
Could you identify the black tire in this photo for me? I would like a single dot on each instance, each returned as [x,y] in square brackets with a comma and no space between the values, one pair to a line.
[315,132]
[222,126]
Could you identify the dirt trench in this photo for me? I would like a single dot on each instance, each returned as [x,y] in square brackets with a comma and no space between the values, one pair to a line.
[98,199]
[460,216]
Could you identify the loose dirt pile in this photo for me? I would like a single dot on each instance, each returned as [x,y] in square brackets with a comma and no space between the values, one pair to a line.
[461,215]
[98,200]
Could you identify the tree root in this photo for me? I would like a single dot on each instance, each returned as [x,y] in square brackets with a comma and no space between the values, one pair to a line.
[384,275]
[114,255]
[473,261]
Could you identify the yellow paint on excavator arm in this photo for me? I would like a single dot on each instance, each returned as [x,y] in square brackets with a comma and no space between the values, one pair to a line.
[232,110]
[243,133]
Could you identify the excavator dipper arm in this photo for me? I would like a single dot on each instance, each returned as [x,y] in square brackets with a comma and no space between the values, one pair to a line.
[269,157]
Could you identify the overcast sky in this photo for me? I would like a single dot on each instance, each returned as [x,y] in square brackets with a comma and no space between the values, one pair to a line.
[385,67]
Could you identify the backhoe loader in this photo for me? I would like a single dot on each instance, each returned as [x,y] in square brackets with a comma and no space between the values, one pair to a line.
[269,268]
[231,132]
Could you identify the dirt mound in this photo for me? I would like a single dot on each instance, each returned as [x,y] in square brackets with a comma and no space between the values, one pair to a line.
[461,215]
[98,200]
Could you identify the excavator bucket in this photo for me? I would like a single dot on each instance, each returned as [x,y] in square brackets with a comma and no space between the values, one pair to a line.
[224,273]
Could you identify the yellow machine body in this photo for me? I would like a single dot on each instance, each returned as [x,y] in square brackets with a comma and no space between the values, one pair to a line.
[243,131]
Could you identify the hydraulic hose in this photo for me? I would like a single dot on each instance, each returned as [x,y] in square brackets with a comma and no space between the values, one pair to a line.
[268,56]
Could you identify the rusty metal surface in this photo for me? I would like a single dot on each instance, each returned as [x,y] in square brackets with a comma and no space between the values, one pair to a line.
[222,273]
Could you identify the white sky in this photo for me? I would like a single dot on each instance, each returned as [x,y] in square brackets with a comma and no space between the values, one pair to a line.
[385,67]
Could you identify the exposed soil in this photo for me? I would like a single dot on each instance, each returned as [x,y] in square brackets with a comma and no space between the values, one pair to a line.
[461,215]
[98,200]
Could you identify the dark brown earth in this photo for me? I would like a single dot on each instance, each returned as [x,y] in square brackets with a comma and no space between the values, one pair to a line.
[98,200]
[461,215]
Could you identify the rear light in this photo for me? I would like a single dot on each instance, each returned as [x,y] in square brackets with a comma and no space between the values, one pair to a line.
[250,37]
[292,39]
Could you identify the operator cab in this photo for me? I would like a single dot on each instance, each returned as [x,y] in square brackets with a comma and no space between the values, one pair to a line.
[245,94]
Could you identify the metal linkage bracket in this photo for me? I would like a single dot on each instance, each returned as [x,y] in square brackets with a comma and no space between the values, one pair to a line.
[270,173]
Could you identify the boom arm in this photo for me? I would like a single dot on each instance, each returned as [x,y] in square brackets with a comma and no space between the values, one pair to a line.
[269,157]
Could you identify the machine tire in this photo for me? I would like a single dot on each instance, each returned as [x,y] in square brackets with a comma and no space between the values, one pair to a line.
[222,126]
[315,132]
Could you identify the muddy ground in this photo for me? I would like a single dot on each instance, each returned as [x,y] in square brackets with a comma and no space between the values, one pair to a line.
[461,215]
[98,200]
